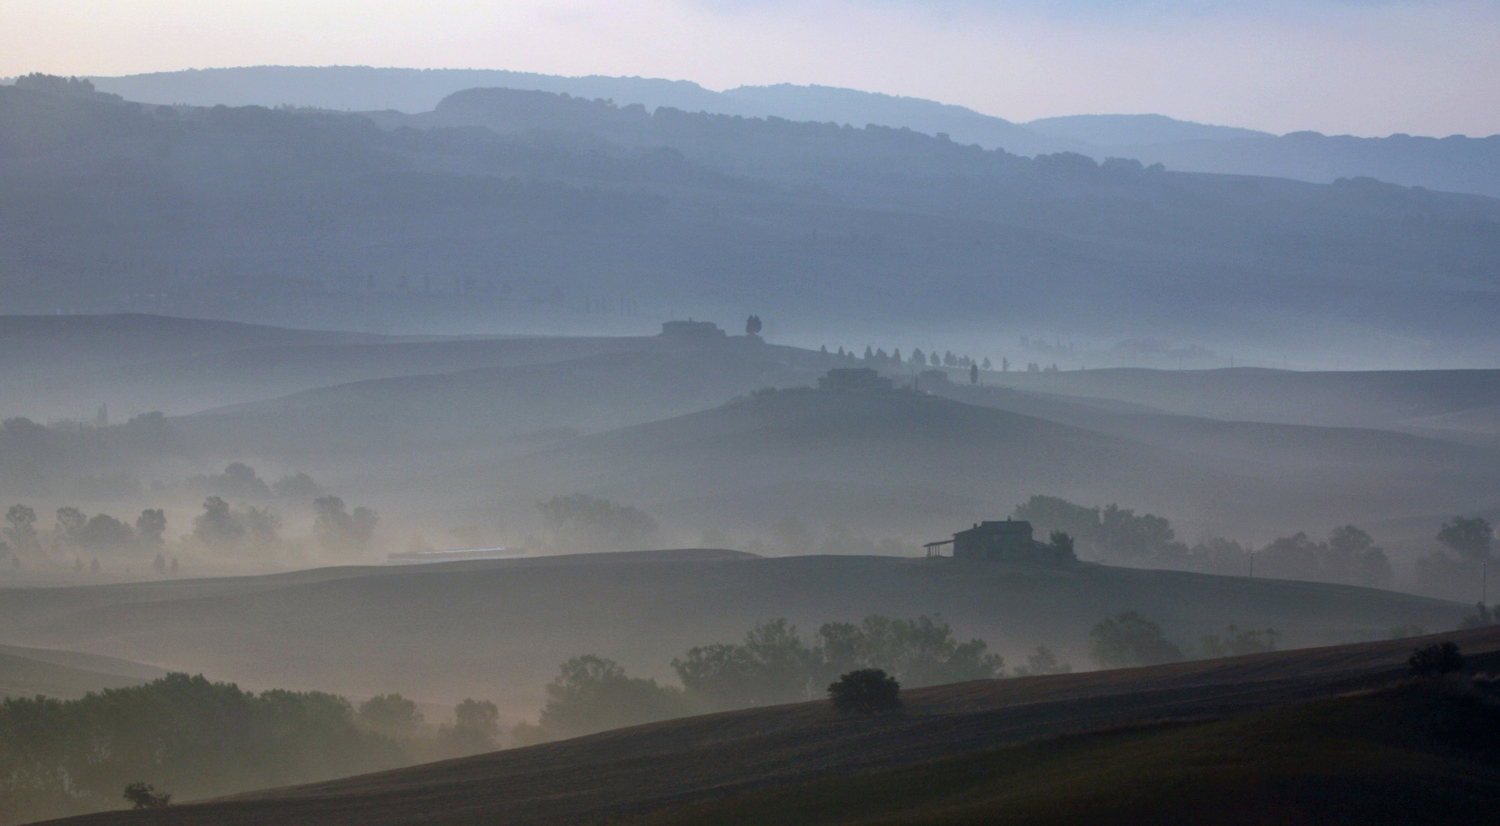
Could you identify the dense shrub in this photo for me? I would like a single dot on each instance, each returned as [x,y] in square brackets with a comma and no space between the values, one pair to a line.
[866,691]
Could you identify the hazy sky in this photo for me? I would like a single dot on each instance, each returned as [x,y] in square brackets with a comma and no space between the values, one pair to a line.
[1368,67]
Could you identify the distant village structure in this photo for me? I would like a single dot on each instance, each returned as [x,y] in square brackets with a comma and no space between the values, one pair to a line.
[1008,541]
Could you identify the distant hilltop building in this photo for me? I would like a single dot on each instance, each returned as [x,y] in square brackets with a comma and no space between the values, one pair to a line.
[853,380]
[1008,541]
[692,330]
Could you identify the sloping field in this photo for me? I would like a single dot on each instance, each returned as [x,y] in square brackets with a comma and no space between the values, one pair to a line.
[26,672]
[1403,755]
[852,459]
[1376,398]
[498,630]
[638,771]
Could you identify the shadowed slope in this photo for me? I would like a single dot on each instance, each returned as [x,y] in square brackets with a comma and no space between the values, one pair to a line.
[1397,756]
[652,768]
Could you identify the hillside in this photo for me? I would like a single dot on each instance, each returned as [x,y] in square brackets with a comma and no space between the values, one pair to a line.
[1455,163]
[900,461]
[498,630]
[31,346]
[1367,758]
[1377,398]
[643,381]
[581,216]
[27,672]
[1116,131]
[363,88]
[695,770]
[178,383]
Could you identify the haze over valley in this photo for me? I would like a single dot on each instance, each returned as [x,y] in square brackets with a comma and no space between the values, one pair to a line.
[429,445]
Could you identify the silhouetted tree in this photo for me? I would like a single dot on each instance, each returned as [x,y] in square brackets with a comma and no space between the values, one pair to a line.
[1043,661]
[973,374]
[1130,639]
[865,691]
[1470,538]
[595,522]
[217,525]
[593,694]
[391,715]
[145,796]
[151,526]
[753,325]
[1436,659]
[68,526]
[104,532]
[20,528]
[772,665]
[478,715]
[339,530]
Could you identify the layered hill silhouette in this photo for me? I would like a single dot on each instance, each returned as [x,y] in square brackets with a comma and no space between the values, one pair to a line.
[1136,747]
[1455,163]
[498,630]
[319,219]
[830,457]
[1380,399]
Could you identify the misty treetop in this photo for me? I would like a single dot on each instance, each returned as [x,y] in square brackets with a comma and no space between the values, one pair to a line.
[771,665]
[182,734]
[1116,534]
[1465,550]
[1132,639]
[580,521]
[189,738]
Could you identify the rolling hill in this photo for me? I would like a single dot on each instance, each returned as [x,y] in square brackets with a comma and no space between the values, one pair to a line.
[898,461]
[644,380]
[1387,399]
[27,672]
[421,224]
[1455,163]
[1130,748]
[498,630]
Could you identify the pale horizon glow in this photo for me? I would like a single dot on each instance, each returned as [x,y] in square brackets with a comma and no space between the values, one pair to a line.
[1425,67]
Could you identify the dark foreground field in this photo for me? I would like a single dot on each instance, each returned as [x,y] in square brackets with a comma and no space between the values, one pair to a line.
[1309,736]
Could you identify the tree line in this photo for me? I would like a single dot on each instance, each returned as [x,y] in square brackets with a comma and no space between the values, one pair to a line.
[189,737]
[220,527]
[772,664]
[1115,534]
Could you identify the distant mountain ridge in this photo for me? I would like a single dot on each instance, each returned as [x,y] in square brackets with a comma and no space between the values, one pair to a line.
[1455,163]
[364,88]
[1111,131]
[539,206]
